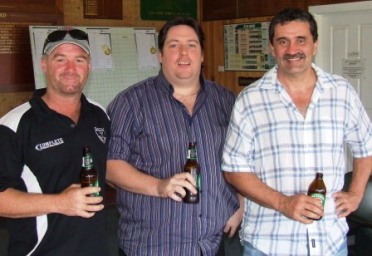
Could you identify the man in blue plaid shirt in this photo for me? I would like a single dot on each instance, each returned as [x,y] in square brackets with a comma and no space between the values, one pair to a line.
[286,127]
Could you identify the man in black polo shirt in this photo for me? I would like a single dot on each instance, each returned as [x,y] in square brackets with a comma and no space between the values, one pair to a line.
[41,150]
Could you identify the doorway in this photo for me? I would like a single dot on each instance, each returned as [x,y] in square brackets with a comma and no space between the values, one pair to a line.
[345,44]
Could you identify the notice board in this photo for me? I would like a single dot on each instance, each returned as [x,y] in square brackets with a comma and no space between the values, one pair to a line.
[167,9]
[247,47]
[121,57]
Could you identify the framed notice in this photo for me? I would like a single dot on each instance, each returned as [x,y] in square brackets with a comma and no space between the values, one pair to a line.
[103,9]
[167,9]
[247,47]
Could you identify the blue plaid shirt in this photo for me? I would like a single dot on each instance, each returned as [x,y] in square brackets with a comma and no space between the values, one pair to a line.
[268,136]
[151,130]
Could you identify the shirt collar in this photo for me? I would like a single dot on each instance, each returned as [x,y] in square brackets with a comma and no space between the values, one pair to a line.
[163,83]
[42,108]
[270,79]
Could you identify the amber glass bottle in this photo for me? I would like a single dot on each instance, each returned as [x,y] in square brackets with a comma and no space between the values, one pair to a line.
[193,168]
[88,174]
[317,188]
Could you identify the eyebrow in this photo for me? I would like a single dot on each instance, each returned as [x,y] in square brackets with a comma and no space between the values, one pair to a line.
[189,40]
[286,38]
[80,56]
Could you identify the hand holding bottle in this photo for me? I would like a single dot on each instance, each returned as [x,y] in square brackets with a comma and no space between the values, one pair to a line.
[317,189]
[88,174]
[73,201]
[193,168]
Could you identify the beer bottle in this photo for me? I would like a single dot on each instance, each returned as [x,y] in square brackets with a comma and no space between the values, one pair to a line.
[193,168]
[317,188]
[88,174]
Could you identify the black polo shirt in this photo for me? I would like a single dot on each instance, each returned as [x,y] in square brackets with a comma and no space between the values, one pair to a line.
[41,152]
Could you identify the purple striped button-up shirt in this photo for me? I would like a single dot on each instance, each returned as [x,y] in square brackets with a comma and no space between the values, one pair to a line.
[151,130]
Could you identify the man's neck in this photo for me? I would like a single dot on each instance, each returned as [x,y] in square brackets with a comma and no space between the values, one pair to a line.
[68,106]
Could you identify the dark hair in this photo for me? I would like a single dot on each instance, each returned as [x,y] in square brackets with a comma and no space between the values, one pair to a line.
[194,24]
[293,14]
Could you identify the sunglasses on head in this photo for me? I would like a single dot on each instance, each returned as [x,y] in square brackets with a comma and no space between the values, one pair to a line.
[59,35]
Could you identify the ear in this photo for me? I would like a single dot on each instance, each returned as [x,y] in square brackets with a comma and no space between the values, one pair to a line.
[43,63]
[160,57]
[316,44]
[272,50]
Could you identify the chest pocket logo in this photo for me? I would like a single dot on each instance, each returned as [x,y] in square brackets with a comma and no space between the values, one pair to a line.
[101,134]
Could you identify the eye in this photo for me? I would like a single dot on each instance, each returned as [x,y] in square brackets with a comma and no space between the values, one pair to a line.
[173,45]
[301,41]
[81,60]
[60,59]
[282,42]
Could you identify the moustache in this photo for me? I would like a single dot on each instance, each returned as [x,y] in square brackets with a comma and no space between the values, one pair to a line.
[70,73]
[294,56]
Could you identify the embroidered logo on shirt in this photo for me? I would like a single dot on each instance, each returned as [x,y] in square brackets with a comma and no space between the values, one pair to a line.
[101,134]
[49,144]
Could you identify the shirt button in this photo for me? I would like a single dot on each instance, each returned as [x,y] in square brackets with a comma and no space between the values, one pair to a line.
[72,125]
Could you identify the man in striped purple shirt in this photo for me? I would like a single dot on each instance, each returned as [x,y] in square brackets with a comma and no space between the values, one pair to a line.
[152,124]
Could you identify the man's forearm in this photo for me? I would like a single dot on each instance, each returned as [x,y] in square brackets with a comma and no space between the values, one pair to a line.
[126,176]
[250,186]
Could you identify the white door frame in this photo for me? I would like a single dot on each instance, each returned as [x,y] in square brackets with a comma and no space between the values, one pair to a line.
[323,10]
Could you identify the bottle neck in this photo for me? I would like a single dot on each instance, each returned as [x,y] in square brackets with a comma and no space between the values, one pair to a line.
[319,175]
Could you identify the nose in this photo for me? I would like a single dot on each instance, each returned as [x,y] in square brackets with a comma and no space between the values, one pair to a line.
[292,47]
[70,65]
[183,49]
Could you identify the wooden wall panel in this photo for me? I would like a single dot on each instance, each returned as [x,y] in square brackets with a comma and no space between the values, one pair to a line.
[235,9]
[26,2]
[16,71]
[73,16]
[10,100]
[214,54]
[226,9]
[261,8]
[323,2]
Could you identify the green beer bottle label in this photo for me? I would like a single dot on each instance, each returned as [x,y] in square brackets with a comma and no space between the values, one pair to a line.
[320,196]
[96,184]
[198,182]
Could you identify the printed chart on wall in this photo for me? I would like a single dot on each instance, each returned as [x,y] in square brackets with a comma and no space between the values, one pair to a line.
[247,47]
[120,56]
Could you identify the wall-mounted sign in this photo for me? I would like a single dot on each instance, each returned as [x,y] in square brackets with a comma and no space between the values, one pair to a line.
[103,9]
[16,72]
[247,47]
[353,68]
[167,9]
